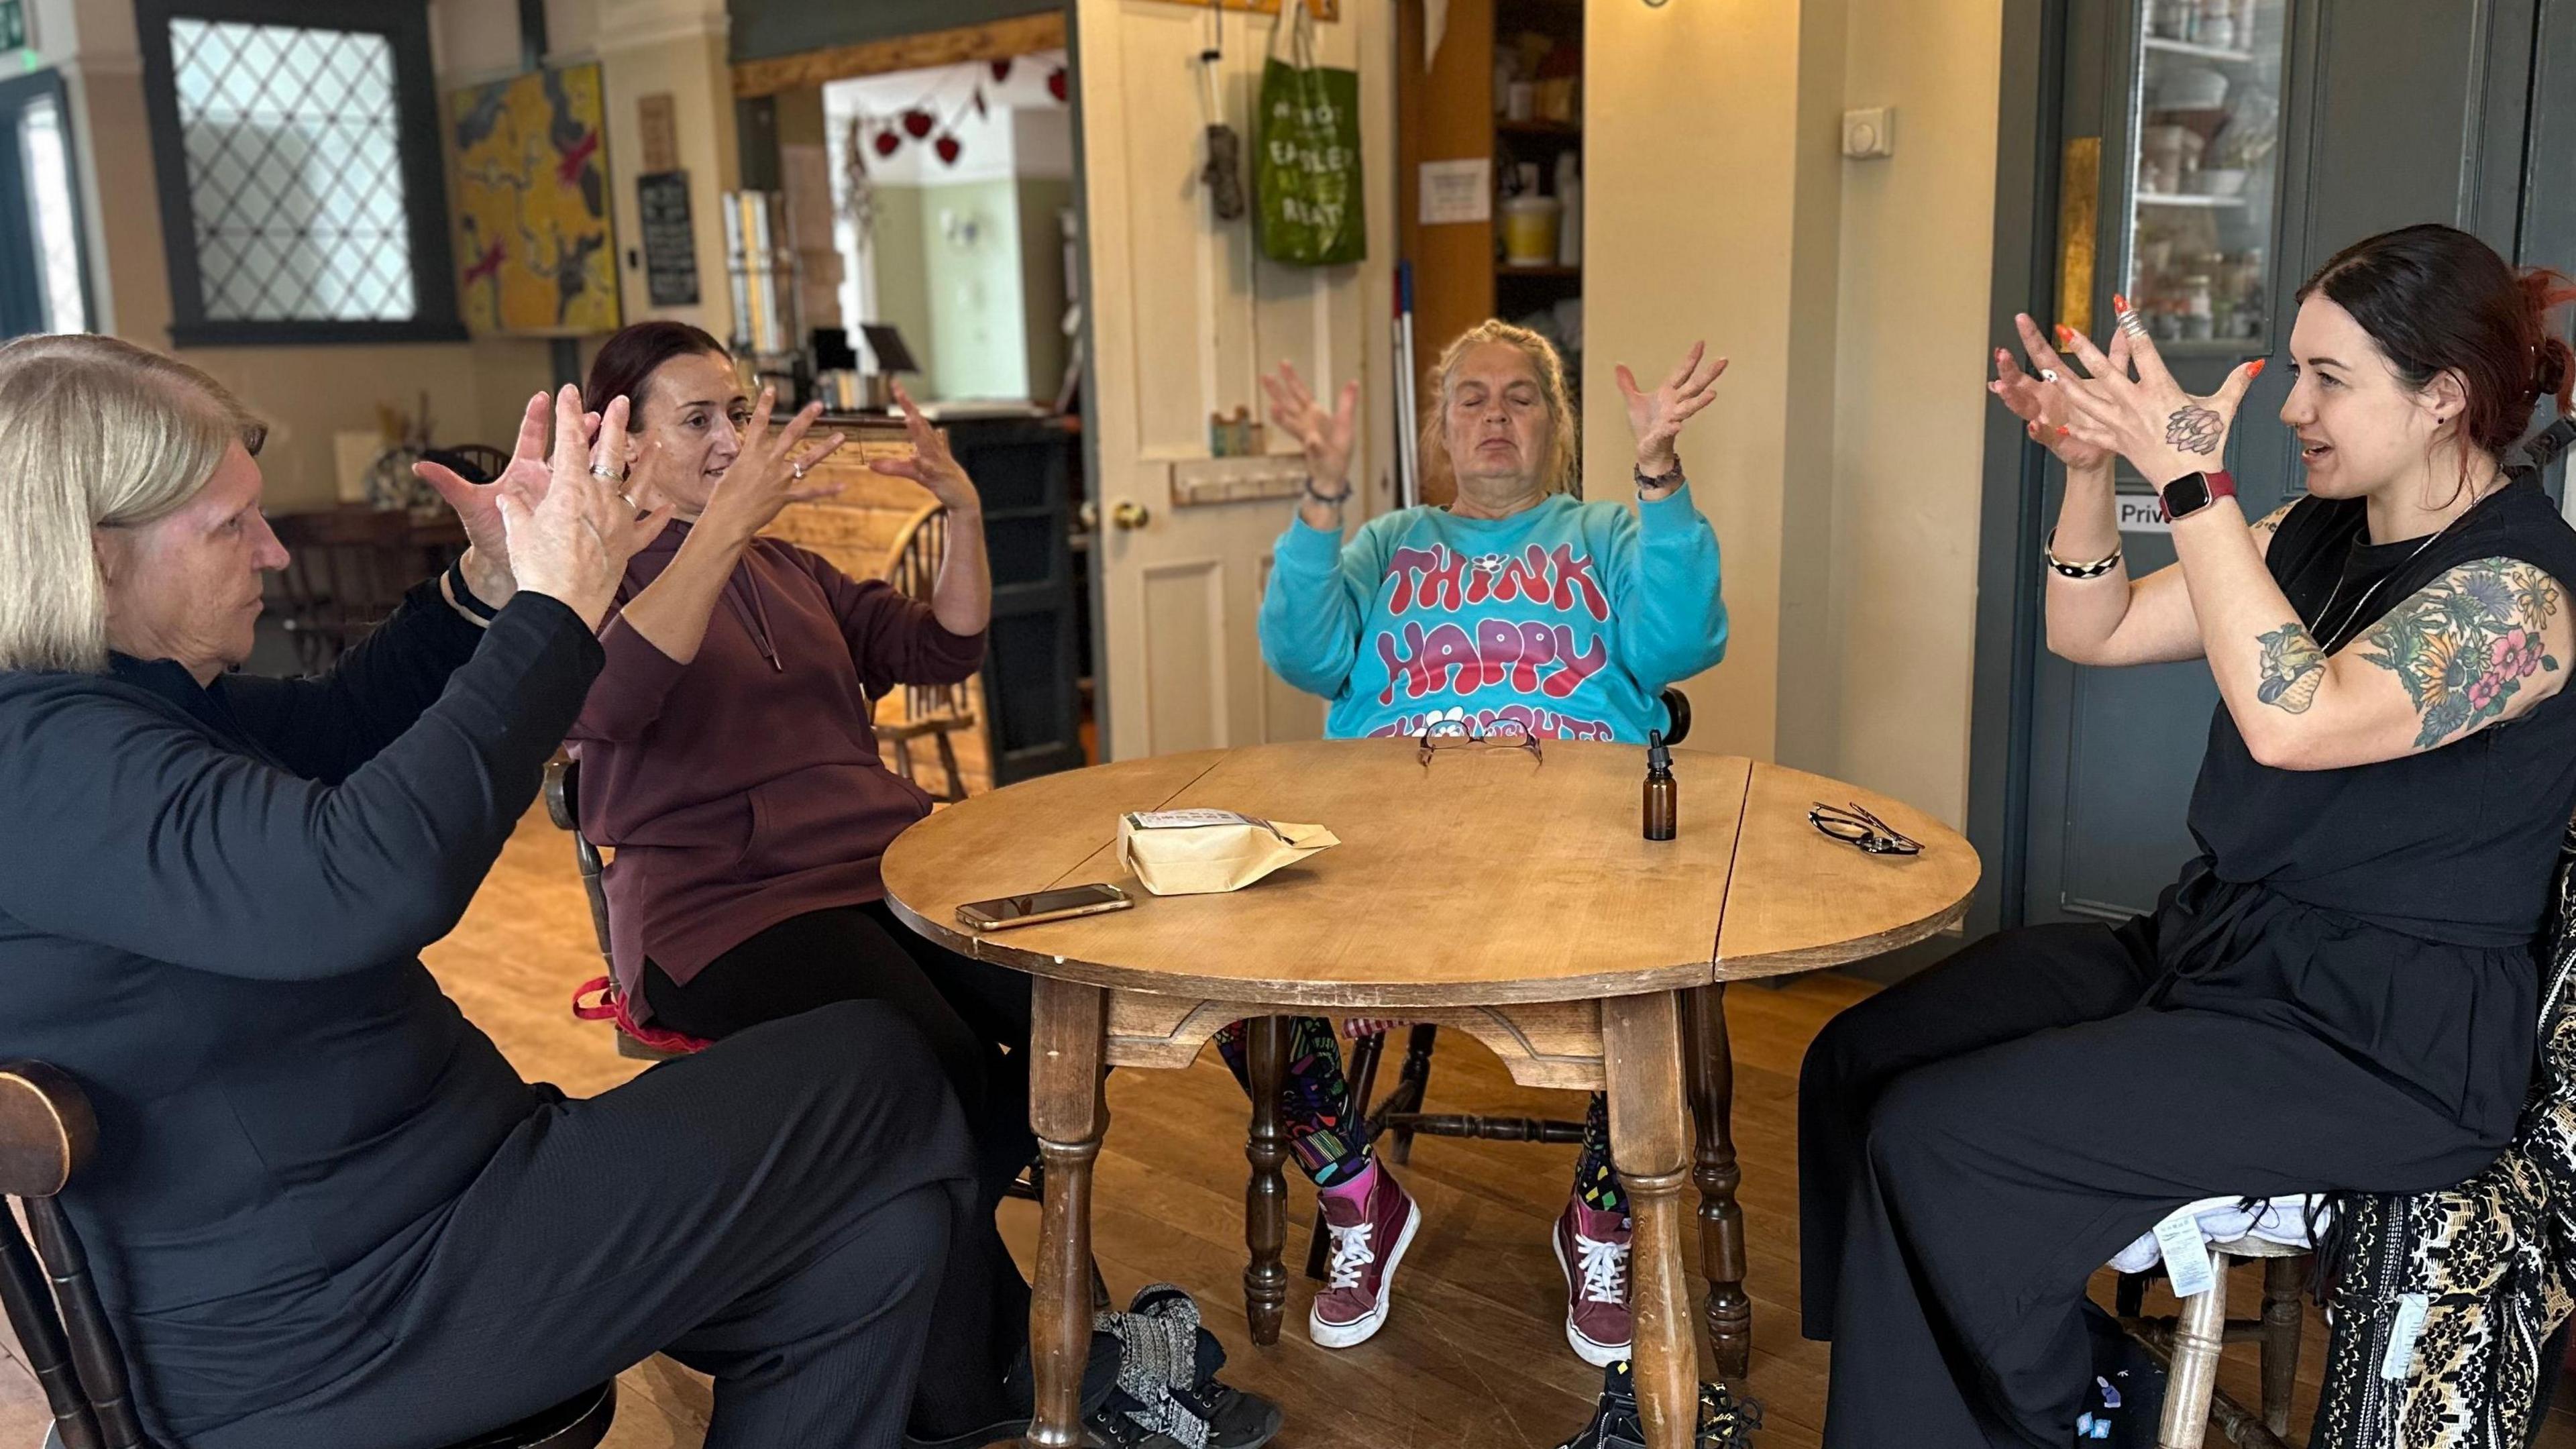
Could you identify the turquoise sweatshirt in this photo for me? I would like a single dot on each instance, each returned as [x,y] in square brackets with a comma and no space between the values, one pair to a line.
[1567,619]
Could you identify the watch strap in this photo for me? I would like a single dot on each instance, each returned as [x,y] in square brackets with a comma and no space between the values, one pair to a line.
[2199,489]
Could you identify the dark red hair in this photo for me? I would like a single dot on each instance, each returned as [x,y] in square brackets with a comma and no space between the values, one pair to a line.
[628,360]
[2437,300]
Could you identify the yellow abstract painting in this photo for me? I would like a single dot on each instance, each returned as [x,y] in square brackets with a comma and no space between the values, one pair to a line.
[535,245]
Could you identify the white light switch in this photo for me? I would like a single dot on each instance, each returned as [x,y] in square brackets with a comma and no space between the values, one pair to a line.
[1868,133]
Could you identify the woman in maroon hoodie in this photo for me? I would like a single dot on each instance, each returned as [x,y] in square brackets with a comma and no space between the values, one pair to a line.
[726,755]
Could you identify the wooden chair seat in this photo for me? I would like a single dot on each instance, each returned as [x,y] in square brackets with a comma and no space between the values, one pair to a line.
[2190,1344]
[47,1134]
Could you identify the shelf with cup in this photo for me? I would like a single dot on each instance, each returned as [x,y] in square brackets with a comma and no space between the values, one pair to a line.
[2157,44]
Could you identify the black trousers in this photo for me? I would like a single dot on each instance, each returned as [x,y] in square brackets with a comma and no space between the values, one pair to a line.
[1976,1141]
[776,1212]
[975,1017]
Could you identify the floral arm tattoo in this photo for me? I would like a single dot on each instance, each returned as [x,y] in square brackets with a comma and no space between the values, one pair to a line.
[2463,646]
[2271,522]
[2292,668]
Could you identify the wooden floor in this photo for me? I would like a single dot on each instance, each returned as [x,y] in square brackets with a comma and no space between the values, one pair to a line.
[1474,1354]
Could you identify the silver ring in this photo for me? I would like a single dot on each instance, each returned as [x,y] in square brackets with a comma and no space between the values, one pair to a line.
[2132,324]
[607,475]
[2048,374]
[798,469]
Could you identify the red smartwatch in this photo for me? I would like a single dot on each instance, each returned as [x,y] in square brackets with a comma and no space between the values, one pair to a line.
[2193,492]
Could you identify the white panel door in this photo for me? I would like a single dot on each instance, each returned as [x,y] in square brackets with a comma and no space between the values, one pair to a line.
[1185,315]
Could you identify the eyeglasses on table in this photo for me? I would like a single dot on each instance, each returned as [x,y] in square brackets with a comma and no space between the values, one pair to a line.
[1855,826]
[1456,734]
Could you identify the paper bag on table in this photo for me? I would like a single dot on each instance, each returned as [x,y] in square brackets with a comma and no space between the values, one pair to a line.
[1201,852]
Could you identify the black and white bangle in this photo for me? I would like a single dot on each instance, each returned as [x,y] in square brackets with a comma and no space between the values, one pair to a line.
[460,597]
[2093,570]
[1672,479]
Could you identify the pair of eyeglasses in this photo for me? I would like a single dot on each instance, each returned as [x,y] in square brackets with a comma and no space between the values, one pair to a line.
[1454,734]
[1852,825]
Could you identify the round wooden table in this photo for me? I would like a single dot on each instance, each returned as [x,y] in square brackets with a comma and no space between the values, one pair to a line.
[1496,892]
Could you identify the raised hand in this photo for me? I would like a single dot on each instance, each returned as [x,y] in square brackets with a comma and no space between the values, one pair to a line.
[2133,406]
[572,543]
[931,465]
[1323,434]
[2042,408]
[1656,417]
[478,505]
[769,472]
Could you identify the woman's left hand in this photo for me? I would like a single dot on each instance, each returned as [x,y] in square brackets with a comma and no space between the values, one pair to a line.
[2141,413]
[931,465]
[1656,417]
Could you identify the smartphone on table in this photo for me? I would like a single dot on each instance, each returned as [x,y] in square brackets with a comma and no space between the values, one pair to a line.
[1004,912]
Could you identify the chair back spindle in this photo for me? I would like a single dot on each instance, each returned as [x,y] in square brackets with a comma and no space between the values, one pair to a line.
[47,1132]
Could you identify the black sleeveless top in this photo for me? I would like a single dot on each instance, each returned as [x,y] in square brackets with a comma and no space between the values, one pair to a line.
[2390,907]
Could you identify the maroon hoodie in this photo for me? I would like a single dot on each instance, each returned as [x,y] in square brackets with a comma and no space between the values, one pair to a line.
[745,788]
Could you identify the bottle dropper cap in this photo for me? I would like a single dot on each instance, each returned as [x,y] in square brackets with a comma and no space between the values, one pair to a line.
[1659,756]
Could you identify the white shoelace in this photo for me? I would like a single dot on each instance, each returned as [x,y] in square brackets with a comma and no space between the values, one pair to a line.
[1605,1269]
[1351,1254]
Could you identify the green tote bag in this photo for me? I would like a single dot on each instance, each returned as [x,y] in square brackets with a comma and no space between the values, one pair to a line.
[1308,176]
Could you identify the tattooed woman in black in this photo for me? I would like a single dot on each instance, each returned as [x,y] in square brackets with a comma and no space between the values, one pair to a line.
[2339,993]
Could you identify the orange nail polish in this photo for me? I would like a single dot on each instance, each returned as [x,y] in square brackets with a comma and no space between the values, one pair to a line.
[2256,370]
[2065,335]
[2119,303]
[2062,432]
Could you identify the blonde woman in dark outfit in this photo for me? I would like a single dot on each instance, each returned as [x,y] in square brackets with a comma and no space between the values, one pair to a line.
[2340,992]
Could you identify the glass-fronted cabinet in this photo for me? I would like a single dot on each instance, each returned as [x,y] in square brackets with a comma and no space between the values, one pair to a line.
[2206,112]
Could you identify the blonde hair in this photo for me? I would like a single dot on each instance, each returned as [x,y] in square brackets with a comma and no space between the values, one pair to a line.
[94,433]
[1558,476]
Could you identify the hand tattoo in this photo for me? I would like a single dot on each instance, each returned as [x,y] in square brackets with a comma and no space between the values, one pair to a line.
[2195,429]
[2464,644]
[2292,668]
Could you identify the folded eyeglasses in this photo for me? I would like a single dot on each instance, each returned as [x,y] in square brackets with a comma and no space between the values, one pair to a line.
[1854,826]
[1455,734]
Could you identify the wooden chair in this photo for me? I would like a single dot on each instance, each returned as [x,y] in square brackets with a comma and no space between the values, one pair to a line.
[47,1135]
[2190,1344]
[1400,1116]
[346,571]
[932,711]
[563,807]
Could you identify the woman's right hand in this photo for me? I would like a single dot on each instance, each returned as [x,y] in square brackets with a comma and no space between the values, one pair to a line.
[769,473]
[572,545]
[1324,435]
[2041,407]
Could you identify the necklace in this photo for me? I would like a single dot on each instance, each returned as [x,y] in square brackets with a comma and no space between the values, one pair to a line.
[2362,603]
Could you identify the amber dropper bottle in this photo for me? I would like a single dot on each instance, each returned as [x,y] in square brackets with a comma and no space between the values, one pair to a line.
[1663,805]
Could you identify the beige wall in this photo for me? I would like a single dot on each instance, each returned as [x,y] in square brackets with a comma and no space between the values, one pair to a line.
[1840,465]
[474,389]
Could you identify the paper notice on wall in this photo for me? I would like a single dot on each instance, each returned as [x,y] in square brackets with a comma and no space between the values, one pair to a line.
[1457,191]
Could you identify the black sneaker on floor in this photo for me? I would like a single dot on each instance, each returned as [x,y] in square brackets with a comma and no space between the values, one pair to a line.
[1725,1422]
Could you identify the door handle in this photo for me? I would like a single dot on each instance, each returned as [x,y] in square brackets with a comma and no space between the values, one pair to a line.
[1130,515]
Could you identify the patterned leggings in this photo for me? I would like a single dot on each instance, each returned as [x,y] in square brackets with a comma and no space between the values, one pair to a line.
[1315,1109]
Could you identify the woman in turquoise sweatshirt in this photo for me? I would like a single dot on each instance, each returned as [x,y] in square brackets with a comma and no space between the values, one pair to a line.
[1517,609]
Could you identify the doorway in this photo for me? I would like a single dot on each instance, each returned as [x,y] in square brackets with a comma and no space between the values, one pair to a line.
[2203,157]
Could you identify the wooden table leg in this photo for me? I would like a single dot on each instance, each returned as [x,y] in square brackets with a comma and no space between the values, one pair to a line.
[1642,1041]
[1066,1042]
[1721,1218]
[1265,1197]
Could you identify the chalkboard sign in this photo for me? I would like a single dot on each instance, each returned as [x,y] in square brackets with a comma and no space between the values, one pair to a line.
[670,245]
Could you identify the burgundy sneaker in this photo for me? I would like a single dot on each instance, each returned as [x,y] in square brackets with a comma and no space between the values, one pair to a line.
[1592,1248]
[1368,1242]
